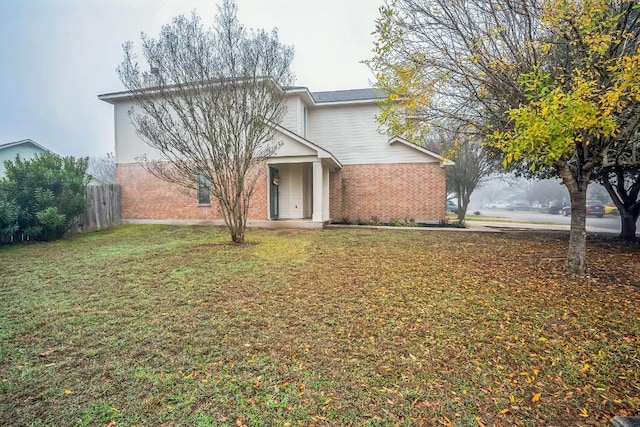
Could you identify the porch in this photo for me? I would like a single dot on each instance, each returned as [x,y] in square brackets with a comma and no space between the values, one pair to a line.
[298,190]
[298,181]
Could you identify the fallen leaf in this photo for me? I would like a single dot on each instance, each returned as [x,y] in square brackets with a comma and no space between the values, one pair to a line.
[48,352]
[68,391]
[535,397]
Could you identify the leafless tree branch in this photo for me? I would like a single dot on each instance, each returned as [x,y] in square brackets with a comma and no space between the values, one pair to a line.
[206,105]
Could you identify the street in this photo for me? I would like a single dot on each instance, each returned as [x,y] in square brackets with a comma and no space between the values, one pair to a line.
[609,222]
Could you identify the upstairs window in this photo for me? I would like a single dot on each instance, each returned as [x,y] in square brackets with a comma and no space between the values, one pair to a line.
[304,122]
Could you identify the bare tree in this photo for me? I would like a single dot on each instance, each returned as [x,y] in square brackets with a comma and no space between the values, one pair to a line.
[103,169]
[208,105]
[473,163]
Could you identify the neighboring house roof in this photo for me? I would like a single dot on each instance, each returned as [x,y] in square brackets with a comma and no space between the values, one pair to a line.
[443,161]
[25,148]
[348,95]
[23,142]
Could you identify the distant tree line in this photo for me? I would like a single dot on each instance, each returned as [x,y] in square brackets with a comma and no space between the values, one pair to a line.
[42,198]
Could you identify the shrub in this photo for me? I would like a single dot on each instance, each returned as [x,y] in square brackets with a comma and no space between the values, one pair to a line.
[49,191]
[373,221]
[9,212]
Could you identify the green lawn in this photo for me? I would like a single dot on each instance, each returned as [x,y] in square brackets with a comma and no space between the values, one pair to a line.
[164,326]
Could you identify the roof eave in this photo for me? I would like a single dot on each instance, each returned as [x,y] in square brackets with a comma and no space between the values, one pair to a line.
[321,152]
[351,102]
[25,141]
[444,162]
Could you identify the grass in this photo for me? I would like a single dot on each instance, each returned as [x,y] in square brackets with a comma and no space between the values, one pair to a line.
[153,325]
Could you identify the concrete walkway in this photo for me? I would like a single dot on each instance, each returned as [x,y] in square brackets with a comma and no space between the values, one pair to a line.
[498,226]
[484,226]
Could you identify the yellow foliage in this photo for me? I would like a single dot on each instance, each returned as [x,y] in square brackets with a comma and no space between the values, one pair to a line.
[581,105]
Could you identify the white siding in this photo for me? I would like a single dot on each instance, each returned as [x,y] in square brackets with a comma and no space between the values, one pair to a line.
[25,151]
[292,148]
[128,145]
[351,134]
[291,119]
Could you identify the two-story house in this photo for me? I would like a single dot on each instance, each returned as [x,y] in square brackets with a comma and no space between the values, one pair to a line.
[333,164]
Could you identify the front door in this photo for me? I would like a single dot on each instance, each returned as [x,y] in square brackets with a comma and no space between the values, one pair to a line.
[274,184]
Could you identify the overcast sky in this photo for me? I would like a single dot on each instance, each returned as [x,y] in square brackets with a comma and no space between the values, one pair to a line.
[56,56]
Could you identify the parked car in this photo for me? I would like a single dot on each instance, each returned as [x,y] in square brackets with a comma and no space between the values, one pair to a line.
[594,208]
[611,209]
[452,206]
[497,205]
[518,205]
[555,207]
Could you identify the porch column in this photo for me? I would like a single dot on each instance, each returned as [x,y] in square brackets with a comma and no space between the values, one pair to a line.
[326,215]
[318,193]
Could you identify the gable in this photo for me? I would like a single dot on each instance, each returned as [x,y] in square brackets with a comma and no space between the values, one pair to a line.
[26,149]
[352,134]
[293,148]
[403,144]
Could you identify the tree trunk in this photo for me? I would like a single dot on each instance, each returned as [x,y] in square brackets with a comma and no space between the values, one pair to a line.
[463,203]
[237,227]
[626,200]
[577,254]
[628,222]
[462,208]
[577,186]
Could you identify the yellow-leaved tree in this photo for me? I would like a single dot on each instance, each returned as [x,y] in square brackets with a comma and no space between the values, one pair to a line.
[553,85]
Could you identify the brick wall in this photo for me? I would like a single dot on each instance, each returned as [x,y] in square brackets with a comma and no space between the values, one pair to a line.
[147,197]
[389,191]
[383,191]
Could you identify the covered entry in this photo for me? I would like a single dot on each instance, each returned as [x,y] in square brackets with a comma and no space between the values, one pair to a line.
[291,188]
[298,177]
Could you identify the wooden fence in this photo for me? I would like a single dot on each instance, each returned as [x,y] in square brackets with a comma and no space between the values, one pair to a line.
[11,238]
[104,208]
[103,211]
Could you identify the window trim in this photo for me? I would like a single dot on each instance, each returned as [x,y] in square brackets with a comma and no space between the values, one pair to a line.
[204,192]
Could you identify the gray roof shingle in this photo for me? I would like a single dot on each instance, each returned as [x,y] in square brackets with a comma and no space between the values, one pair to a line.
[348,95]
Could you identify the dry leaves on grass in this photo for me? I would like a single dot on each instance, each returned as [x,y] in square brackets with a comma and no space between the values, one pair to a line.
[320,328]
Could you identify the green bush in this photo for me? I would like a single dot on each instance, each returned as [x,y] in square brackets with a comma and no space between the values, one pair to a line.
[9,212]
[49,192]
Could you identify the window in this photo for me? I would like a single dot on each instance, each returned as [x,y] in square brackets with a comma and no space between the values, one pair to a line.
[204,195]
[304,122]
